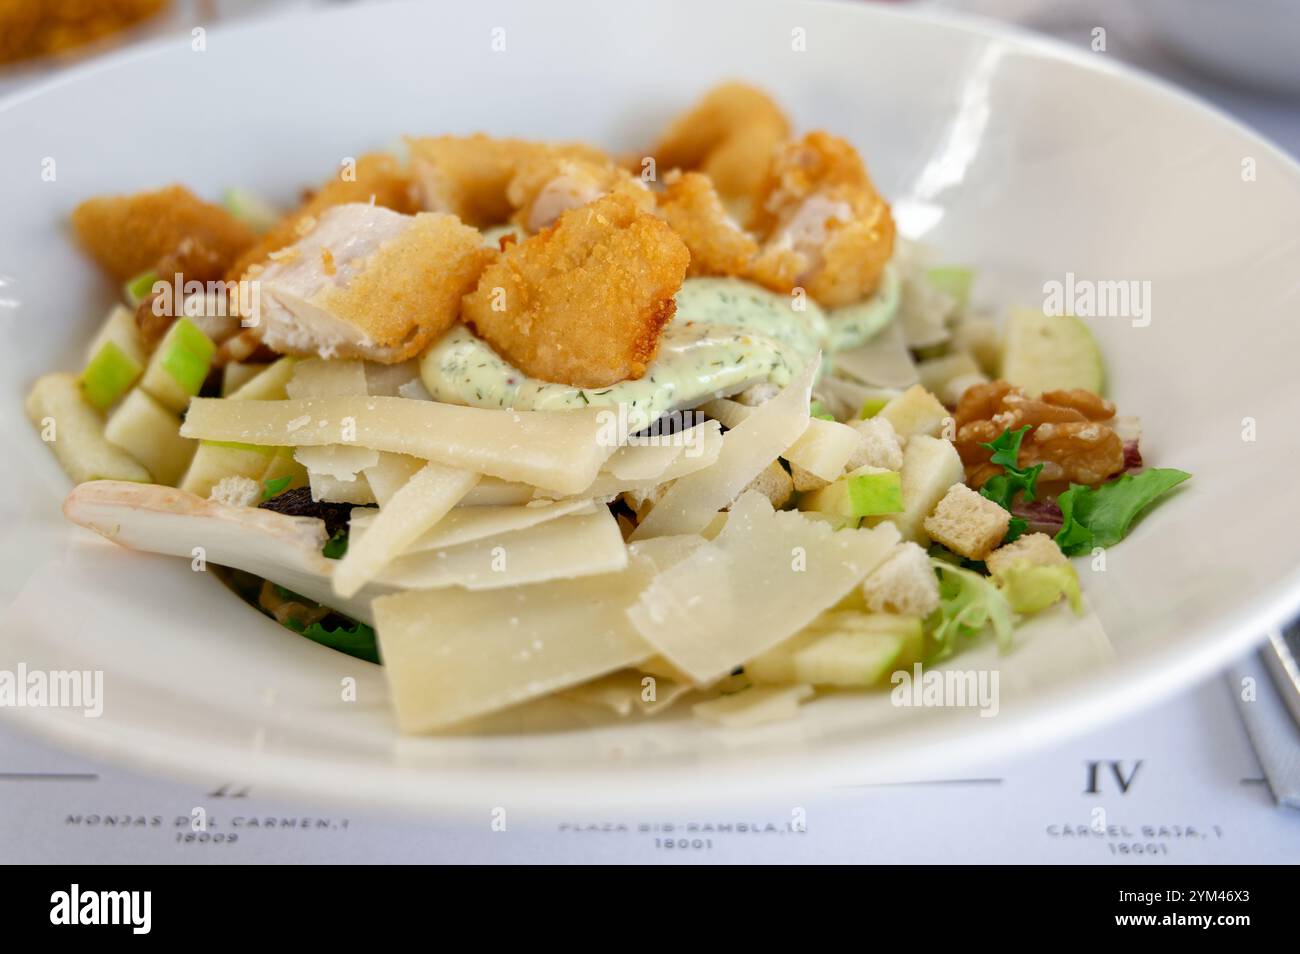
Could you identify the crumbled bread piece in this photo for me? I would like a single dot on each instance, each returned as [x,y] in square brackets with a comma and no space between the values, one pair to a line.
[805,480]
[1037,548]
[236,491]
[967,523]
[905,584]
[880,445]
[915,411]
[773,483]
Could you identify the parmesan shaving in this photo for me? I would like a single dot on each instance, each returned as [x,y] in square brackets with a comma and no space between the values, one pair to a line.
[340,461]
[750,446]
[317,378]
[647,460]
[416,507]
[754,706]
[453,654]
[567,547]
[824,448]
[629,691]
[332,490]
[466,524]
[555,450]
[766,576]
[390,474]
[884,361]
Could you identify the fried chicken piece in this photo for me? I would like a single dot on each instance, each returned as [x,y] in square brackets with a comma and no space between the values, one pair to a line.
[729,136]
[827,229]
[167,231]
[548,184]
[368,282]
[376,175]
[692,209]
[468,175]
[584,301]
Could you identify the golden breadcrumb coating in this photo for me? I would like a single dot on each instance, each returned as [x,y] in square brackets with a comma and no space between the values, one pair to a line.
[826,227]
[410,291]
[468,175]
[693,210]
[32,28]
[584,301]
[167,231]
[730,136]
[377,175]
[548,184]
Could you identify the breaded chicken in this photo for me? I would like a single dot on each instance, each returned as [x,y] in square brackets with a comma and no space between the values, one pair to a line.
[729,136]
[368,282]
[468,175]
[378,176]
[826,227]
[167,231]
[584,301]
[548,184]
[693,210]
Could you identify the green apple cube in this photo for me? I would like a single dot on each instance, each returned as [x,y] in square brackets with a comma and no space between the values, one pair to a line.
[150,433]
[138,288]
[179,366]
[871,407]
[108,375]
[952,280]
[875,493]
[254,211]
[1050,352]
[217,459]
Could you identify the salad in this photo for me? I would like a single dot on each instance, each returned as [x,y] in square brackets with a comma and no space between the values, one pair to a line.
[528,420]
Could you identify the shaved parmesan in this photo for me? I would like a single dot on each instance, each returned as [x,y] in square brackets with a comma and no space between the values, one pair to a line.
[466,524]
[416,507]
[629,691]
[646,461]
[766,576]
[754,706]
[884,361]
[390,474]
[491,492]
[750,446]
[555,450]
[693,460]
[388,379]
[564,548]
[332,490]
[453,654]
[318,378]
[340,461]
[823,449]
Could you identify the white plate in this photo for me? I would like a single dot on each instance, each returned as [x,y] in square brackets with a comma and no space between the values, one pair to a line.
[1022,157]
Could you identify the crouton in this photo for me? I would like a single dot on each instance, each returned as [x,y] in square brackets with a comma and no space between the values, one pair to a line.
[167,231]
[375,177]
[369,283]
[905,583]
[916,411]
[693,210]
[880,446]
[966,523]
[236,491]
[773,483]
[549,184]
[1037,548]
[583,302]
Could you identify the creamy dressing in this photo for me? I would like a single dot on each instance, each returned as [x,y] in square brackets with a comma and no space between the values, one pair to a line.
[727,334]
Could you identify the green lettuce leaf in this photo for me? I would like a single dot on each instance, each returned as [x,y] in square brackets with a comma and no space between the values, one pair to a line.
[356,639]
[968,602]
[1002,488]
[1101,517]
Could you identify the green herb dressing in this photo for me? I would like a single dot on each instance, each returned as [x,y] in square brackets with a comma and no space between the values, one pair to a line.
[726,335]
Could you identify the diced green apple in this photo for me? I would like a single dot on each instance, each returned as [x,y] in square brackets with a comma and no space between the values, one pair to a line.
[215,460]
[269,385]
[150,433]
[236,374]
[115,359]
[930,466]
[179,365]
[1050,352]
[867,491]
[842,648]
[254,211]
[138,288]
[953,280]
